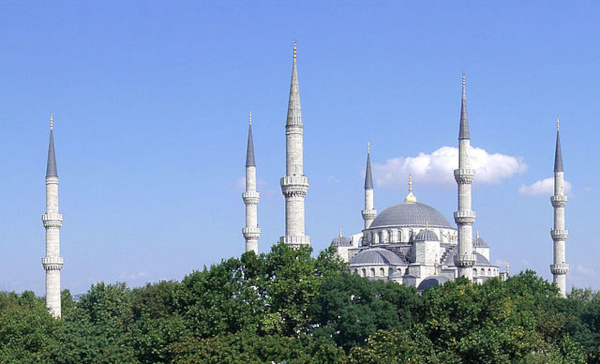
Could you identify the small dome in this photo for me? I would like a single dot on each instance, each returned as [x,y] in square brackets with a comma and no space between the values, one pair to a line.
[376,256]
[426,235]
[410,214]
[432,281]
[341,241]
[479,242]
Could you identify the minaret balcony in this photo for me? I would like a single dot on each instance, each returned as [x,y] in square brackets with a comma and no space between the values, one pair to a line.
[369,214]
[464,176]
[52,263]
[294,185]
[558,201]
[562,268]
[251,197]
[52,220]
[464,260]
[252,232]
[464,217]
[559,235]
[295,241]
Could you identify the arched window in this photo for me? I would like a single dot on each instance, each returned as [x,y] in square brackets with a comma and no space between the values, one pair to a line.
[482,271]
[382,272]
[364,272]
[372,272]
[474,271]
[489,271]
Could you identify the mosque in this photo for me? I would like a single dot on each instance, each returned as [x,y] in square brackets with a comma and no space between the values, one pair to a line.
[411,243]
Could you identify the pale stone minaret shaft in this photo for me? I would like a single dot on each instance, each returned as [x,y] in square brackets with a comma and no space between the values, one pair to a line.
[559,234]
[251,197]
[369,213]
[52,220]
[294,185]
[464,217]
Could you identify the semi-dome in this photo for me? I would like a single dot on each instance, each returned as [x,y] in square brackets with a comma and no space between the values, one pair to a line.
[411,214]
[426,235]
[376,256]
[432,281]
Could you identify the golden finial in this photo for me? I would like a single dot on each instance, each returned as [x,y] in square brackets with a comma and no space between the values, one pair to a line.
[557,123]
[51,122]
[476,234]
[435,265]
[410,197]
[250,116]
[427,225]
[463,79]
[368,147]
[295,46]
[507,268]
[341,233]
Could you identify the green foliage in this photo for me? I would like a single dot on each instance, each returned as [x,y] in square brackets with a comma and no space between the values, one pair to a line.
[286,306]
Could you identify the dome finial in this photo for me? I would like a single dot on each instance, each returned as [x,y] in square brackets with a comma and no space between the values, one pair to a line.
[477,234]
[341,233]
[410,198]
[435,265]
[51,121]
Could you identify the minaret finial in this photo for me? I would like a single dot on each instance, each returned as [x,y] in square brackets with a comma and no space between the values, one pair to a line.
[295,49]
[369,147]
[557,123]
[51,121]
[250,117]
[410,197]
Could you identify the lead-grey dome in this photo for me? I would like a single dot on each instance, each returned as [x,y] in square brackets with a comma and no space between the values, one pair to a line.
[432,281]
[411,214]
[426,235]
[376,256]
[341,241]
[479,242]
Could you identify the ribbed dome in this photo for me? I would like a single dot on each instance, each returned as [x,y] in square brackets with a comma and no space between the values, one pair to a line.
[426,235]
[341,241]
[411,214]
[479,243]
[376,256]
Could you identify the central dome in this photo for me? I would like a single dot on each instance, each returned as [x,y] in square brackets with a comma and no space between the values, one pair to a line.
[411,214]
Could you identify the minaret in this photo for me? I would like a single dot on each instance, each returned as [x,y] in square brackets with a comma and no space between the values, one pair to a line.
[369,213]
[559,234]
[52,220]
[251,196]
[294,184]
[464,217]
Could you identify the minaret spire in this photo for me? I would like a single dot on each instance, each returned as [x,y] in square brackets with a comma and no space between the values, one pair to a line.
[294,185]
[464,217]
[369,213]
[52,220]
[559,234]
[251,196]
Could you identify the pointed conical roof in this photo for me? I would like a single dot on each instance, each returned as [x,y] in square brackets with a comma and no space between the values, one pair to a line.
[51,167]
[558,164]
[464,120]
[294,116]
[368,175]
[250,153]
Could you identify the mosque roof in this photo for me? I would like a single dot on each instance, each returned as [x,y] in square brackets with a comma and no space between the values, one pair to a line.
[426,235]
[432,281]
[411,214]
[341,240]
[479,242]
[376,256]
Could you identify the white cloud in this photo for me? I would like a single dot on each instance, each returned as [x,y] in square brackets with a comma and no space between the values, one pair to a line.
[583,270]
[542,187]
[333,179]
[438,167]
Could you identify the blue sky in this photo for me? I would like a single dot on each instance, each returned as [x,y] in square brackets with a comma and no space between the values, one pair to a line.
[150,103]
